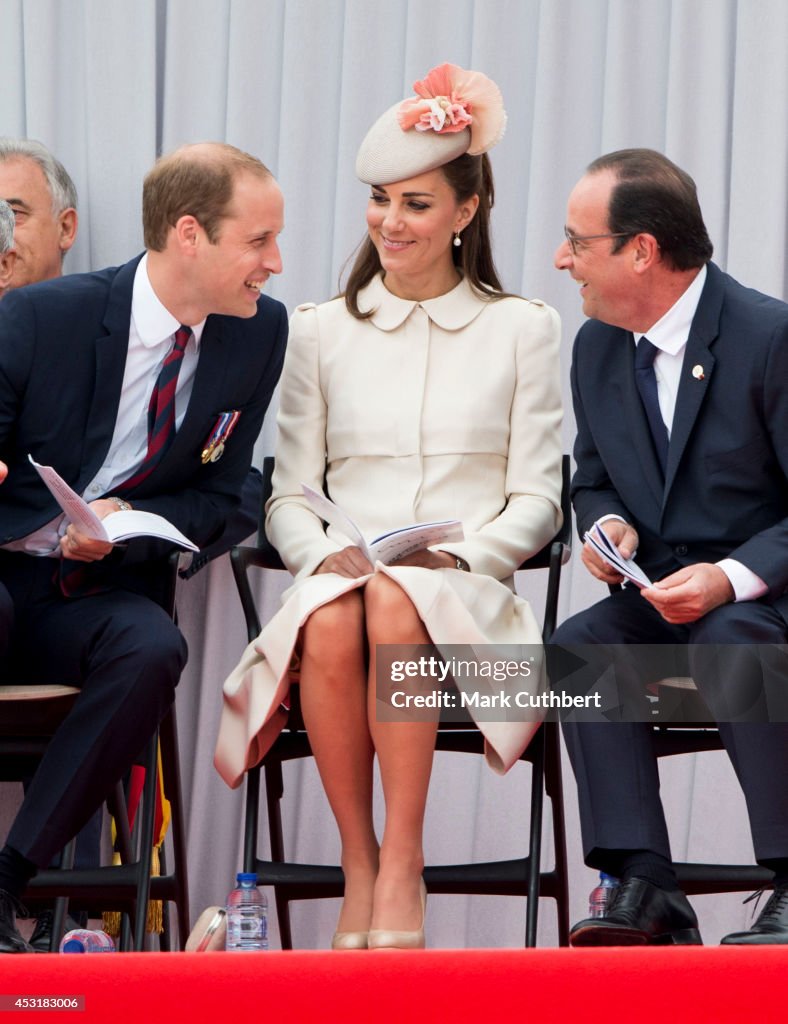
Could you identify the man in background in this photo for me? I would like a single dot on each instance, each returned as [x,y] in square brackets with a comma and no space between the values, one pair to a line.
[7,253]
[44,200]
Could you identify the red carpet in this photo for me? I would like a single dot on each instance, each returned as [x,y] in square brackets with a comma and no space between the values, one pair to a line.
[549,986]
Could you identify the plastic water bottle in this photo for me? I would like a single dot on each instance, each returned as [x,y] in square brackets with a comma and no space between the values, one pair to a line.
[600,896]
[247,915]
[83,940]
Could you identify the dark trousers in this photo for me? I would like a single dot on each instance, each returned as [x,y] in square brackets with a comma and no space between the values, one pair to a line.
[737,656]
[124,653]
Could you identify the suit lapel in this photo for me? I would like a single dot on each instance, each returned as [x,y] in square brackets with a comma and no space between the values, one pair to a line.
[111,350]
[696,371]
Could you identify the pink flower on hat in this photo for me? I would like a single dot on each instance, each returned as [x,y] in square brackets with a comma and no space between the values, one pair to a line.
[450,99]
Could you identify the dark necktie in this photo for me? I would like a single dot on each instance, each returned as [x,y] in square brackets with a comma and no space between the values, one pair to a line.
[161,411]
[646,382]
[73,575]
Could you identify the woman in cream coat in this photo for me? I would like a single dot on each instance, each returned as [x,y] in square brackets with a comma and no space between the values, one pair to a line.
[422,394]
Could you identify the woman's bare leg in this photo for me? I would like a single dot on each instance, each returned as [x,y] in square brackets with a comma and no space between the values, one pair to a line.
[405,752]
[333,703]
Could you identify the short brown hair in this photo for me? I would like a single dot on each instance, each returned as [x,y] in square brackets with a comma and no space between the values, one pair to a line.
[195,181]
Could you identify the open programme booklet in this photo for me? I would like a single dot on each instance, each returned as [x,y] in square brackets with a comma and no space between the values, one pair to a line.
[391,546]
[606,549]
[114,528]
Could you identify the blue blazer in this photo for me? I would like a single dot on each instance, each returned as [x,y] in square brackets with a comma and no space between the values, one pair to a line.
[63,350]
[725,491]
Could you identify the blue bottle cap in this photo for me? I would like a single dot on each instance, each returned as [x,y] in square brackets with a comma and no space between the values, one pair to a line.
[246,876]
[73,946]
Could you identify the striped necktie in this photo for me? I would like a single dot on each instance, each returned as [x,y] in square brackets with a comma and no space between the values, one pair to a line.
[161,411]
[646,382]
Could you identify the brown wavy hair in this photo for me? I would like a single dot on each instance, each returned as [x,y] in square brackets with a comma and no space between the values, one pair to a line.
[466,176]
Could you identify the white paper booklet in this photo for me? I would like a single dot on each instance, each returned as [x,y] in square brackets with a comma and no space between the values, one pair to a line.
[114,528]
[391,546]
[607,550]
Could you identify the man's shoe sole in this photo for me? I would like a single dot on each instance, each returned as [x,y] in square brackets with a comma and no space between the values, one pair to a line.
[612,935]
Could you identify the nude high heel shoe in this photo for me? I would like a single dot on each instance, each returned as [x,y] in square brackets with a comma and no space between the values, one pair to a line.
[381,938]
[349,940]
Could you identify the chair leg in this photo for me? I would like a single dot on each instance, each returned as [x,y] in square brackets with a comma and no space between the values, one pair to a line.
[145,844]
[251,819]
[60,906]
[554,789]
[172,787]
[535,841]
[116,804]
[274,788]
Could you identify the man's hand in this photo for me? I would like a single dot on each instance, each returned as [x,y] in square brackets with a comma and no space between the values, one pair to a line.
[687,595]
[3,471]
[80,548]
[626,540]
[350,562]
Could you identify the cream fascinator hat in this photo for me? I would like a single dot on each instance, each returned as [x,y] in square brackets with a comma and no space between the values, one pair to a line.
[453,112]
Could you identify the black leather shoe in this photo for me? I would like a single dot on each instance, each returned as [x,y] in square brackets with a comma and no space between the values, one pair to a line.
[771,928]
[640,914]
[41,939]
[10,939]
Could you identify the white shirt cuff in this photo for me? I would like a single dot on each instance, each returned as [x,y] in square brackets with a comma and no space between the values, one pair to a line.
[746,585]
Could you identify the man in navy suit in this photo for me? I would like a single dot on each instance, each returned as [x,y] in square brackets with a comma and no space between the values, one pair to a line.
[80,358]
[688,471]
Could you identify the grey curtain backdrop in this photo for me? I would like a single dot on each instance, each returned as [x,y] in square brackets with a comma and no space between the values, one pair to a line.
[109,84]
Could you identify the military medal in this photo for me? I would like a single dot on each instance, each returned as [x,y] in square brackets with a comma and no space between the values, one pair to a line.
[218,437]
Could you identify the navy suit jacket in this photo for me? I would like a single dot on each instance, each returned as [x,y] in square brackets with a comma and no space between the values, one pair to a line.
[726,487]
[63,350]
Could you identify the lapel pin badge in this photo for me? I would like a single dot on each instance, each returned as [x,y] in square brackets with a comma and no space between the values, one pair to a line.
[697,372]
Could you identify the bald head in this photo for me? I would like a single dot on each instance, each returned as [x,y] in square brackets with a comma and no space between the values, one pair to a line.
[198,181]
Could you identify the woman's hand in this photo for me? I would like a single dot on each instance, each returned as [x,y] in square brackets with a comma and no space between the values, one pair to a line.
[350,562]
[427,559]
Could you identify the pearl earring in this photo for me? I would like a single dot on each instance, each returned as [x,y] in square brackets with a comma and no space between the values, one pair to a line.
[457,239]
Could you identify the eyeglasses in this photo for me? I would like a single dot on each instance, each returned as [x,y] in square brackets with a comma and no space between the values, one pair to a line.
[574,239]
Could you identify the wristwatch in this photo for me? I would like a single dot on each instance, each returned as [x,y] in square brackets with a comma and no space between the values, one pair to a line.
[123,506]
[462,565]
